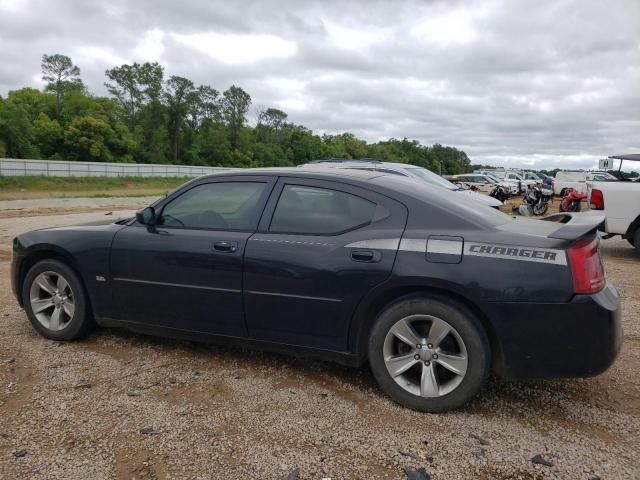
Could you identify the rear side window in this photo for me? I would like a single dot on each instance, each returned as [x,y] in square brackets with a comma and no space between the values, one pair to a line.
[219,206]
[321,211]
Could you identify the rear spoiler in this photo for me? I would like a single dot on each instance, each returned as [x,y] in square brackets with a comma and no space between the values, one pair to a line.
[576,225]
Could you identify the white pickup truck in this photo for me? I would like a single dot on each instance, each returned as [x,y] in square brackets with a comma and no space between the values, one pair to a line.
[620,202]
[577,179]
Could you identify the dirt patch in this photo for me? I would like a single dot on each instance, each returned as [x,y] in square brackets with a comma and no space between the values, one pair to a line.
[138,464]
[18,380]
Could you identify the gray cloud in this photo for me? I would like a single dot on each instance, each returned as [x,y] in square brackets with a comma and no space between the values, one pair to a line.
[516,83]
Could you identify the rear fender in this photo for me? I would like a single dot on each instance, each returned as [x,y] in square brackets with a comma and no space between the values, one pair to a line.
[370,307]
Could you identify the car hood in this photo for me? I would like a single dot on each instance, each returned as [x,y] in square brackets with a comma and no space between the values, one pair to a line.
[93,226]
[485,199]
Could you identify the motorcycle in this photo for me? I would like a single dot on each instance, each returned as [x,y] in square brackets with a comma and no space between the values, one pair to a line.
[535,201]
[499,193]
[571,200]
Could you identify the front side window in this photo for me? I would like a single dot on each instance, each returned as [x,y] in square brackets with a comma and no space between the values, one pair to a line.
[218,206]
[320,211]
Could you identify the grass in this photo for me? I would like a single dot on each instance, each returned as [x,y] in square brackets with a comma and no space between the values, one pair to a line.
[13,188]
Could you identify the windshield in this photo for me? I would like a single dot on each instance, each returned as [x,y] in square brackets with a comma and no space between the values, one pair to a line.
[433,178]
[499,175]
[490,179]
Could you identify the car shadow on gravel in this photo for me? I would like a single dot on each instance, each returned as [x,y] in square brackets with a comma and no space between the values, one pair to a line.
[526,400]
[127,346]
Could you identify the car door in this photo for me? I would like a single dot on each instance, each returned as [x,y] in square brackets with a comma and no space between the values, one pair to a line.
[321,246]
[481,183]
[185,272]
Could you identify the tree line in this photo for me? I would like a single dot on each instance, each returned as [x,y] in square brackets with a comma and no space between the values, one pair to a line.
[152,118]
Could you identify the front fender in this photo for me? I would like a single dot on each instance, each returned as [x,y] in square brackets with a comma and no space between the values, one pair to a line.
[85,249]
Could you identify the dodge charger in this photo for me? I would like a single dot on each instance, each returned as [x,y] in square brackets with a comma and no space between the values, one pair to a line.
[432,292]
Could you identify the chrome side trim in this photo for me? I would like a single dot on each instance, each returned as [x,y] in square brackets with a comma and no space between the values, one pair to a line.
[179,285]
[376,243]
[302,297]
[413,245]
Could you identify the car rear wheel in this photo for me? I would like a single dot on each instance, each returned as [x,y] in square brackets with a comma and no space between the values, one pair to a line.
[429,353]
[55,301]
[636,239]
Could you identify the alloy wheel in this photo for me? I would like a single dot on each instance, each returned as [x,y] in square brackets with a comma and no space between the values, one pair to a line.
[52,301]
[425,355]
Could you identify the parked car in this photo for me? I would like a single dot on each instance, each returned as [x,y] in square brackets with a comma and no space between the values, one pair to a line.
[357,267]
[526,175]
[577,179]
[504,176]
[536,177]
[403,170]
[620,202]
[523,179]
[484,183]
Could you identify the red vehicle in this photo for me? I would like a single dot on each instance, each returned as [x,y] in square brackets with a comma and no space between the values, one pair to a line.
[571,201]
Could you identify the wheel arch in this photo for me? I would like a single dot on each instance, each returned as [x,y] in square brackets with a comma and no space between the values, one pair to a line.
[633,226]
[369,310]
[45,252]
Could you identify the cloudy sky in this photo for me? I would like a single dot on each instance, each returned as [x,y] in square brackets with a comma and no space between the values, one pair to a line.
[515,83]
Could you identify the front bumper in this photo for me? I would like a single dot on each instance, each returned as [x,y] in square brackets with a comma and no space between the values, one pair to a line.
[16,260]
[543,340]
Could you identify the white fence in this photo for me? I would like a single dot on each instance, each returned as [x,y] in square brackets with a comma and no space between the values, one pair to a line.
[10,167]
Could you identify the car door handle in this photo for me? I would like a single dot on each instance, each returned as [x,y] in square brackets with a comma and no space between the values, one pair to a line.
[366,255]
[225,247]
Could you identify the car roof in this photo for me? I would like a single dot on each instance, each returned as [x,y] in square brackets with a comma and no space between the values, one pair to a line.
[363,163]
[327,173]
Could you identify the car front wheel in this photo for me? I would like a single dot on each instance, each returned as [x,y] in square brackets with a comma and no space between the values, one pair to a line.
[429,353]
[55,301]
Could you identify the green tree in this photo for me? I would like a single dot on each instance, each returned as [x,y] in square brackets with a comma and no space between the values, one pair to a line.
[61,76]
[205,106]
[133,85]
[269,155]
[270,123]
[48,135]
[93,139]
[16,132]
[34,102]
[235,105]
[344,145]
[212,147]
[179,94]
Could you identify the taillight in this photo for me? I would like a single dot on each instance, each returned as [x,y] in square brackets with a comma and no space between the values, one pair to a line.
[597,199]
[586,266]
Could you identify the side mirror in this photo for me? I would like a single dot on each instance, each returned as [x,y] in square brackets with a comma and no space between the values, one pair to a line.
[146,216]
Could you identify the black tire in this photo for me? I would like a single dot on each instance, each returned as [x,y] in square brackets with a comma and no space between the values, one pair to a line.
[467,326]
[545,208]
[81,323]
[636,239]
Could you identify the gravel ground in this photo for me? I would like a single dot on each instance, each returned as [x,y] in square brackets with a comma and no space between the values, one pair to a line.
[121,405]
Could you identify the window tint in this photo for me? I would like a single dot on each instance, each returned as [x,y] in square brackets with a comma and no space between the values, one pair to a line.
[319,211]
[224,205]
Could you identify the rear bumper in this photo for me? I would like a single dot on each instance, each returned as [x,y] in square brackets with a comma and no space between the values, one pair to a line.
[543,340]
